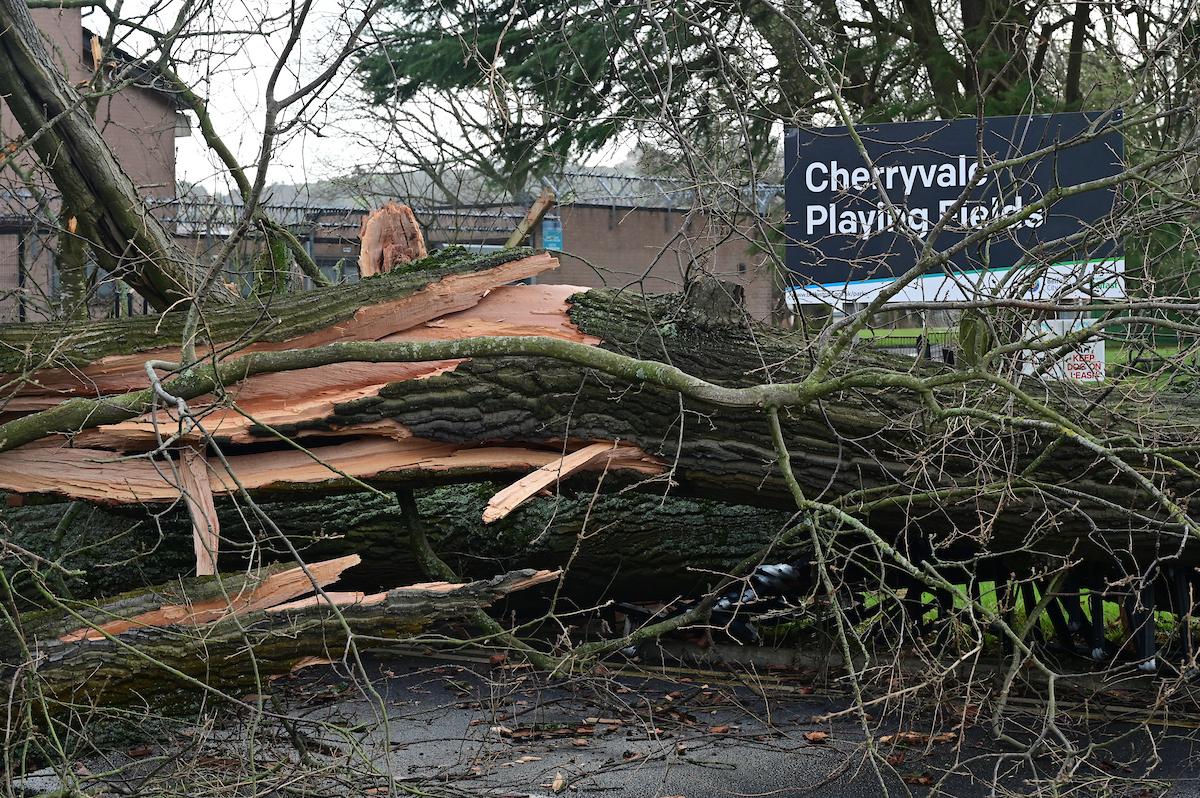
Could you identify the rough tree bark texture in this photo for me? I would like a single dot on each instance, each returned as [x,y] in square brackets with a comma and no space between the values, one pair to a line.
[449,281]
[224,632]
[638,546]
[868,444]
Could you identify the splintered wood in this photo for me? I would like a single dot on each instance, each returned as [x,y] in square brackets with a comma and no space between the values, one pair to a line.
[431,306]
[197,492]
[286,591]
[535,214]
[389,236]
[308,406]
[529,486]
[272,590]
[137,647]
[101,476]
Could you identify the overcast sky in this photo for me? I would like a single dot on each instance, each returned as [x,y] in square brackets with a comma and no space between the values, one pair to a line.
[232,71]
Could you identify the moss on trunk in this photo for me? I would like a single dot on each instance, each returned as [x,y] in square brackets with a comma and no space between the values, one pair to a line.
[243,651]
[61,344]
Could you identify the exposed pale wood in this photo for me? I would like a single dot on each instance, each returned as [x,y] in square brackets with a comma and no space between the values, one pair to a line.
[536,211]
[270,592]
[101,476]
[291,398]
[352,598]
[144,662]
[509,310]
[229,425]
[451,294]
[382,449]
[389,236]
[442,429]
[197,493]
[120,373]
[339,598]
[528,486]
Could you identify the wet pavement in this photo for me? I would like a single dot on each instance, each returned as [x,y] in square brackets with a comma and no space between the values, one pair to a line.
[500,730]
[444,727]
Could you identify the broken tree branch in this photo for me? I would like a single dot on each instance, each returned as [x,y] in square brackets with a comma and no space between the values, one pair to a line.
[152,644]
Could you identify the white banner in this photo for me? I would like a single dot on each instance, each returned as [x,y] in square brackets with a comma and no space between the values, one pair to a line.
[1094,279]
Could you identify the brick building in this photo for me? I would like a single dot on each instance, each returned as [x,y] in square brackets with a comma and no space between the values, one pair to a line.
[139,122]
[643,233]
[613,230]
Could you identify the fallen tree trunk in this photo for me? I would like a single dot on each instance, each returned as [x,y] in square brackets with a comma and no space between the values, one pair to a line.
[227,632]
[97,358]
[528,374]
[634,546]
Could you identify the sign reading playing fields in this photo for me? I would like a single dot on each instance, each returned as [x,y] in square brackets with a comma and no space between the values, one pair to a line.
[844,244]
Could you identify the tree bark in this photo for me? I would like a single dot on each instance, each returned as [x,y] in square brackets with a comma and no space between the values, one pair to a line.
[1072,91]
[943,70]
[519,378]
[221,633]
[449,281]
[635,546]
[72,271]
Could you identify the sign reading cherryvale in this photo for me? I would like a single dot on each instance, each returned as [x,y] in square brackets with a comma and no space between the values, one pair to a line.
[843,243]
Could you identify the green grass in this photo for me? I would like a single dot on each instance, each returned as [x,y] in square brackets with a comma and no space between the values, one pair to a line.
[1164,621]
[1122,355]
[902,332]
[1114,355]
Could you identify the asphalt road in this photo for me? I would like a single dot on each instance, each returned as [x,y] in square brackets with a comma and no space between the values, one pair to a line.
[468,728]
[501,731]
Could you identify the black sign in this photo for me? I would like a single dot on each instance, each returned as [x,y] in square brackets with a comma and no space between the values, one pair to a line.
[841,232]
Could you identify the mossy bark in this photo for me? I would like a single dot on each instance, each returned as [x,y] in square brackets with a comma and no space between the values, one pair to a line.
[129,242]
[72,272]
[876,440]
[687,381]
[155,663]
[274,272]
[68,344]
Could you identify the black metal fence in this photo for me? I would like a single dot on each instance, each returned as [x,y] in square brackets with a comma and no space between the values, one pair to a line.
[938,346]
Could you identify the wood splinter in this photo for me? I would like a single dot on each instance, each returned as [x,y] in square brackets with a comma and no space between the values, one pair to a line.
[530,485]
[196,489]
[140,645]
[389,236]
